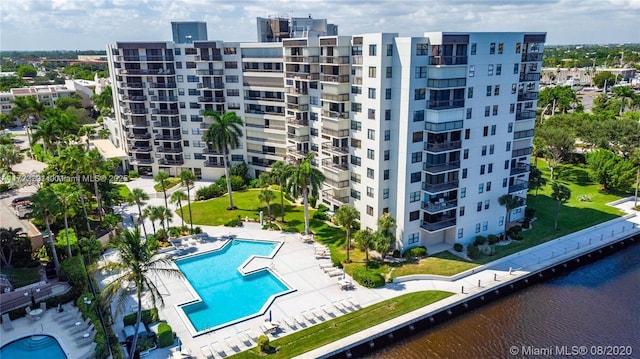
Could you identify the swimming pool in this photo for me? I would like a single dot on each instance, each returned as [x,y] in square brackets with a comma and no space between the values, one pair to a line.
[36,346]
[227,295]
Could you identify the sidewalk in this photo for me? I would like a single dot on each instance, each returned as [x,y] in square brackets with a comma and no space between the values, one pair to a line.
[485,278]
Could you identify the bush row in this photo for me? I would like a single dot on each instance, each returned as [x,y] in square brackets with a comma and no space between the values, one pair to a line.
[367,278]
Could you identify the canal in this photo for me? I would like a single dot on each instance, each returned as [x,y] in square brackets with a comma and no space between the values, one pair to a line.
[594,306]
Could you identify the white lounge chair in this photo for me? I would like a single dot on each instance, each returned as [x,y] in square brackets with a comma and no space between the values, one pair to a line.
[346,304]
[218,349]
[308,316]
[232,343]
[90,353]
[327,310]
[354,302]
[290,323]
[251,335]
[325,265]
[318,314]
[206,352]
[6,322]
[334,273]
[299,321]
[244,337]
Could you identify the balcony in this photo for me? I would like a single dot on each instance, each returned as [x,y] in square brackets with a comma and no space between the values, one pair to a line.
[435,207]
[162,149]
[166,124]
[340,60]
[335,78]
[131,85]
[209,151]
[139,136]
[295,152]
[521,152]
[162,85]
[297,107]
[164,112]
[211,99]
[518,169]
[534,57]
[302,59]
[440,167]
[447,60]
[356,60]
[265,98]
[297,123]
[445,105]
[528,96]
[335,98]
[327,146]
[335,115]
[334,198]
[141,161]
[164,98]
[439,187]
[297,138]
[213,164]
[442,146]
[523,134]
[296,91]
[137,111]
[136,124]
[167,162]
[445,223]
[146,72]
[261,162]
[529,77]
[357,80]
[208,72]
[145,58]
[209,58]
[128,98]
[336,184]
[302,76]
[328,163]
[140,149]
[168,137]
[518,185]
[526,115]
[335,133]
[211,85]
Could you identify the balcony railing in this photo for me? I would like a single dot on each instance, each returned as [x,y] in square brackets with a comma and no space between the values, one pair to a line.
[521,152]
[531,57]
[164,112]
[298,138]
[137,111]
[440,167]
[518,185]
[327,146]
[447,60]
[168,137]
[140,149]
[162,85]
[439,187]
[141,161]
[518,169]
[163,124]
[334,198]
[295,122]
[297,107]
[213,164]
[329,164]
[264,98]
[161,149]
[445,105]
[529,77]
[435,207]
[528,96]
[335,98]
[335,114]
[208,151]
[334,78]
[134,98]
[136,124]
[207,72]
[335,133]
[167,162]
[334,59]
[440,225]
[146,72]
[131,85]
[296,91]
[164,98]
[302,75]
[303,59]
[356,60]
[336,184]
[145,58]
[293,151]
[211,85]
[210,99]
[523,134]
[140,136]
[525,115]
[442,146]
[261,162]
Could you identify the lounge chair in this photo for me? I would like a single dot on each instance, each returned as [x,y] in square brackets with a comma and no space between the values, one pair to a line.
[299,321]
[290,323]
[206,351]
[309,317]
[6,322]
[90,353]
[79,328]
[318,314]
[354,302]
[334,273]
[327,310]
[251,335]
[347,305]
[218,349]
[339,307]
[324,265]
[232,343]
[246,339]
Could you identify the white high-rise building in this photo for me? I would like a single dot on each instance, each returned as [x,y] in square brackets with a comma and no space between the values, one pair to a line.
[431,129]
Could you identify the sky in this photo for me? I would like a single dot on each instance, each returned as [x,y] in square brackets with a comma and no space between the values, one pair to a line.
[92,24]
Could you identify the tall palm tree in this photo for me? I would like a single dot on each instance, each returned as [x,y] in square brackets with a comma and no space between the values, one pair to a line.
[224,134]
[94,162]
[163,214]
[138,263]
[386,224]
[47,131]
[347,217]
[139,197]
[279,171]
[9,156]
[88,131]
[266,196]
[177,197]
[365,240]
[303,178]
[510,203]
[46,203]
[162,179]
[74,160]
[9,238]
[187,179]
[561,193]
[66,195]
[536,180]
[152,214]
[28,109]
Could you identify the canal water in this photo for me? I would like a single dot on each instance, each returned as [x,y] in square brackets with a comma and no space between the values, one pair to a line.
[579,312]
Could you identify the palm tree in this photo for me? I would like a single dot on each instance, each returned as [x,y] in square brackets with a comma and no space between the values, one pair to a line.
[177,197]
[88,131]
[9,156]
[386,224]
[382,243]
[347,217]
[279,171]
[9,238]
[303,178]
[138,263]
[138,196]
[625,94]
[152,214]
[74,160]
[27,109]
[66,195]
[365,240]
[635,158]
[510,203]
[224,134]
[163,214]
[536,180]
[46,131]
[46,203]
[266,196]
[162,179]
[111,220]
[187,179]
[561,193]
[95,161]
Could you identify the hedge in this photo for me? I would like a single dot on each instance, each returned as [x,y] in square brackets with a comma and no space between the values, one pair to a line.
[415,252]
[148,316]
[165,335]
[367,278]
[74,269]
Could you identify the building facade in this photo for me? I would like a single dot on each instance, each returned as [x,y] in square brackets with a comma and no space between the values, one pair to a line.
[431,129]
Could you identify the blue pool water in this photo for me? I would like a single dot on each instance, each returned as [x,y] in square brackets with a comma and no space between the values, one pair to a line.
[37,346]
[227,295]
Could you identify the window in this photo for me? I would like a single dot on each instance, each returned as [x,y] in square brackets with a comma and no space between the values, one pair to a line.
[387,135]
[477,227]
[372,93]
[462,211]
[414,216]
[177,51]
[387,115]
[464,173]
[372,72]
[473,48]
[496,90]
[484,150]
[372,50]
[385,193]
[355,194]
[481,188]
[355,160]
[313,100]
[472,70]
[356,125]
[370,210]
[479,206]
[389,49]
[414,196]
[508,146]
[356,107]
[416,177]
[490,167]
[514,88]
[491,149]
[371,134]
[487,111]
[469,113]
[387,94]
[467,133]
[356,143]
[501,221]
[493,127]
[465,154]
[422,49]
[190,65]
[490,70]
[389,72]
[515,68]
[488,186]
[371,154]
[418,116]
[233,92]
[506,164]
[498,69]
[482,169]
[500,47]
[229,50]
[420,94]
[492,48]
[237,158]
[417,136]
[485,130]
[416,157]
[370,173]
[463,192]
[231,79]
[386,155]
[504,182]
[179,65]
[489,90]
[512,109]
[179,78]
[495,112]
[460,232]
[230,65]
[356,177]
[486,206]
[518,45]
[414,238]
[421,72]
[470,92]
[371,114]
[385,175]
[369,191]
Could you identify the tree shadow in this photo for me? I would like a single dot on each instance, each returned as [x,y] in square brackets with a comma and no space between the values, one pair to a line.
[575,175]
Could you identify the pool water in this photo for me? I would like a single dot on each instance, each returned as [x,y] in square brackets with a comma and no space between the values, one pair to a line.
[37,346]
[228,296]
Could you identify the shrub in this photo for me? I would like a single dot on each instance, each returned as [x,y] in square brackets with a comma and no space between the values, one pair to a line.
[415,252]
[147,316]
[74,269]
[234,223]
[529,213]
[584,198]
[514,233]
[367,278]
[133,174]
[457,247]
[237,183]
[165,335]
[480,240]
[473,252]
[493,239]
[321,216]
[263,343]
[212,191]
[61,242]
[4,187]
[322,208]
[526,224]
[197,230]
[488,250]
[395,253]
[288,197]
[313,200]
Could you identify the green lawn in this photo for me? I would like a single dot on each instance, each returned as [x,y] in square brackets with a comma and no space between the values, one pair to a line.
[443,263]
[329,331]
[20,277]
[123,191]
[171,182]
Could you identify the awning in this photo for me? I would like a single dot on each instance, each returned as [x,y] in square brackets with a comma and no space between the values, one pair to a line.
[109,151]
